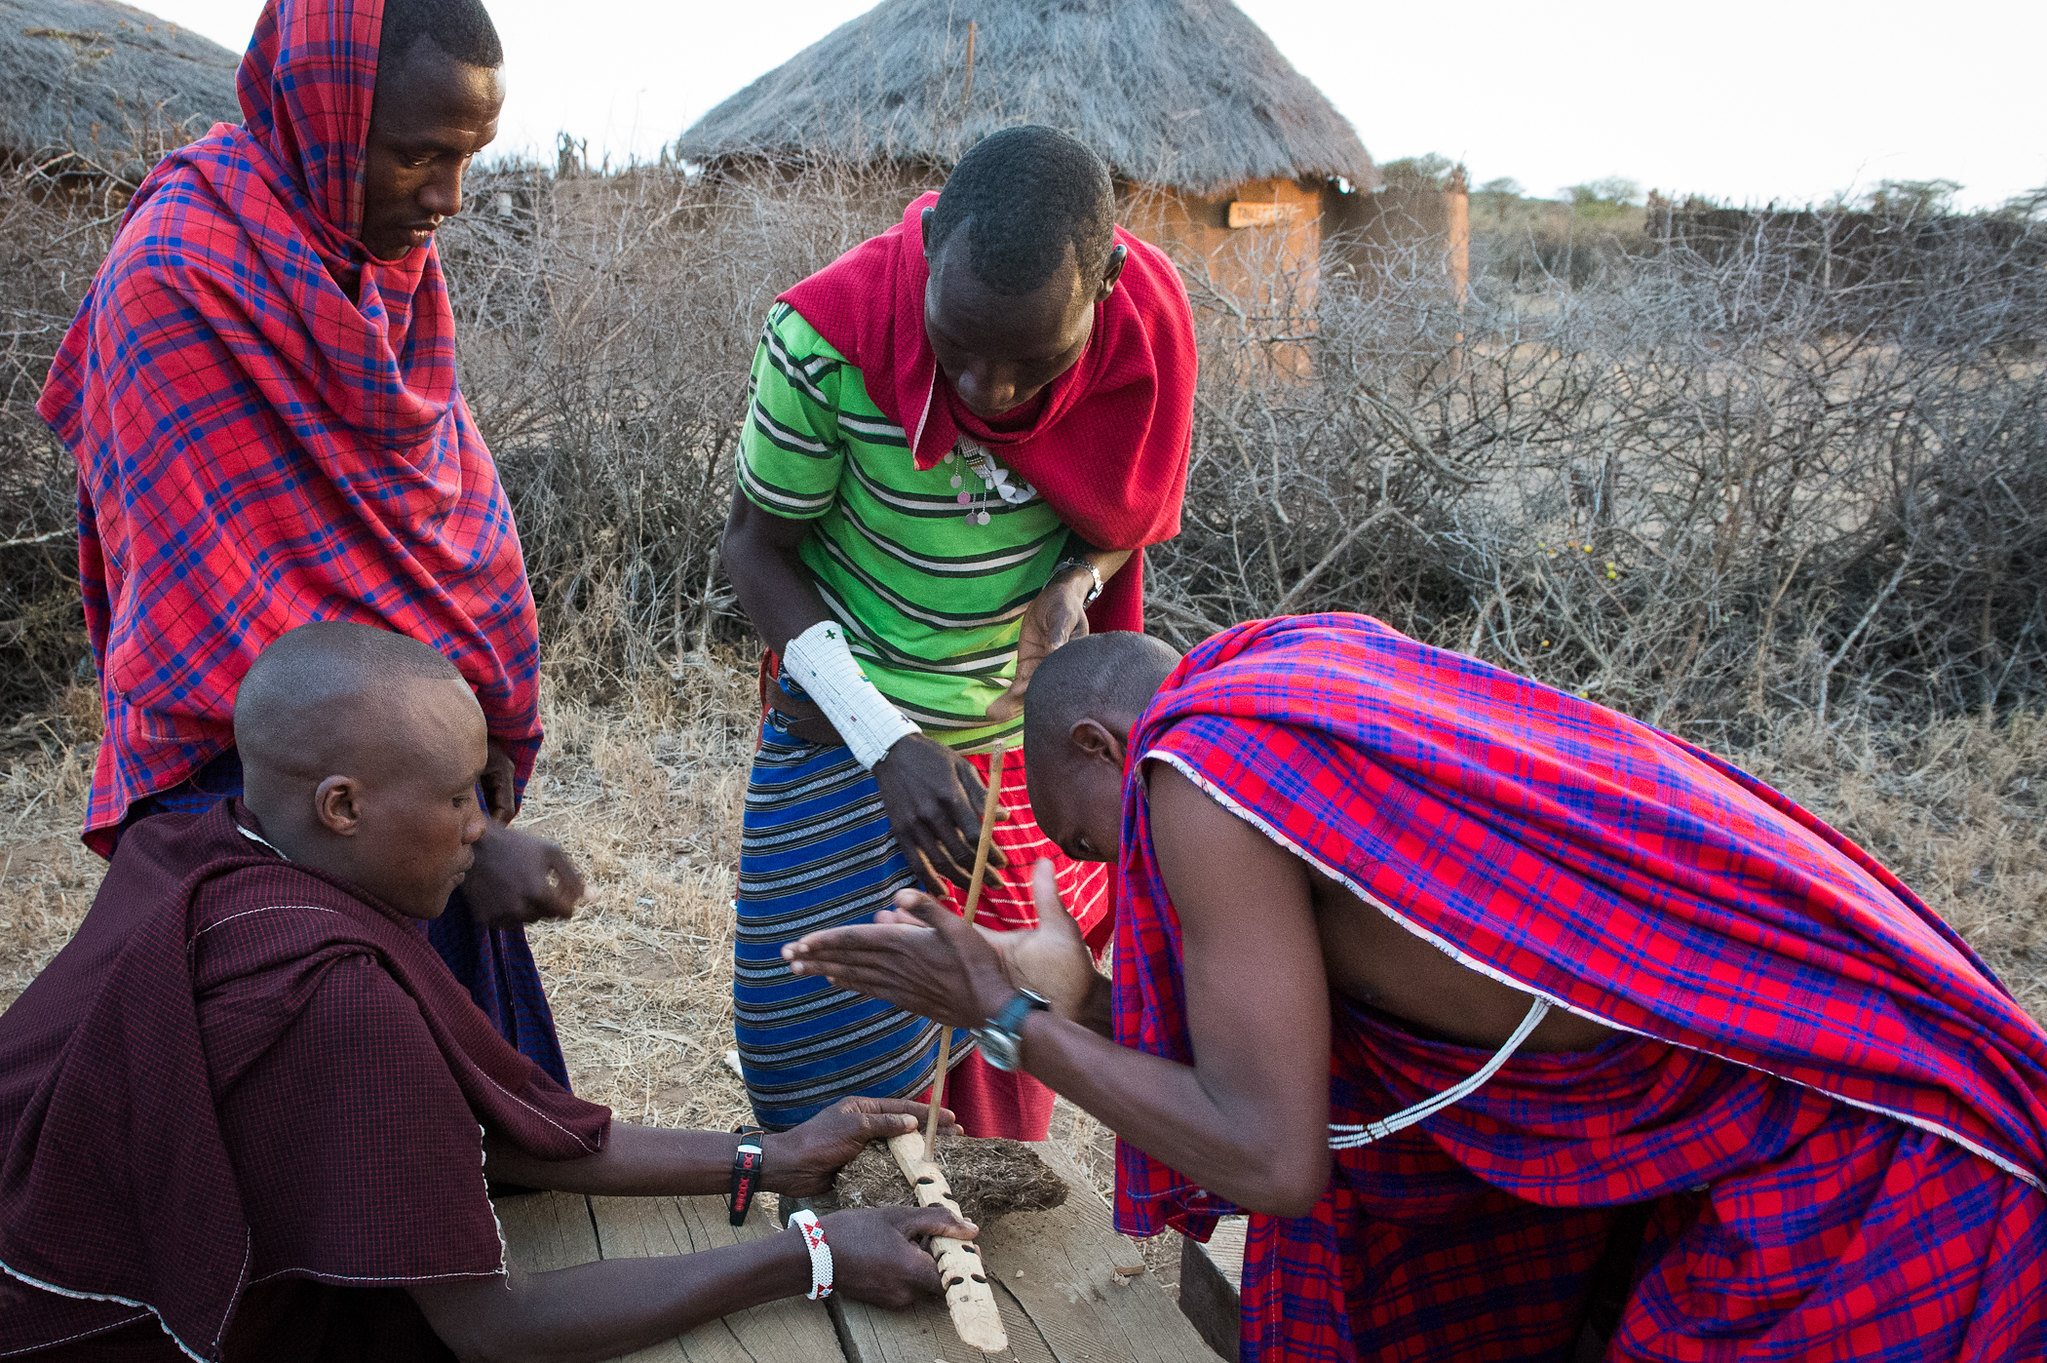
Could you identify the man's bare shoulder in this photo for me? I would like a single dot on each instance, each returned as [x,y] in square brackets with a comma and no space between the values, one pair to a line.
[1371,952]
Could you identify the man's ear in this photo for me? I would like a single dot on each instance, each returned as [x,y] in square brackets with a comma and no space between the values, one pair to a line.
[1117,258]
[1096,742]
[924,231]
[337,802]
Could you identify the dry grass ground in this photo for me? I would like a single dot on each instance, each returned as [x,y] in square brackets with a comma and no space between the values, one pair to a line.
[646,794]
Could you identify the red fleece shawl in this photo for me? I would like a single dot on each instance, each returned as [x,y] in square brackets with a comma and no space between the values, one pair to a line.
[1106,443]
[133,1174]
[256,448]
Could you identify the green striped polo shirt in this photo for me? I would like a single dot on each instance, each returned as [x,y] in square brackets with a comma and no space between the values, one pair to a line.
[929,572]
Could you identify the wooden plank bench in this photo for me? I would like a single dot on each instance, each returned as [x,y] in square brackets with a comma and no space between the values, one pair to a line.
[1070,1289]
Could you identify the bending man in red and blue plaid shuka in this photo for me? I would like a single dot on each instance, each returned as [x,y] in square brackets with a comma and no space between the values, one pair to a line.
[260,391]
[1522,1029]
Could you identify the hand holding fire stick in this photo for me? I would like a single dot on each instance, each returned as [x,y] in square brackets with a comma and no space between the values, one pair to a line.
[989,807]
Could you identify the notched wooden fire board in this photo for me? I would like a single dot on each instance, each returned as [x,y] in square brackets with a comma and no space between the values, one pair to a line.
[1083,1296]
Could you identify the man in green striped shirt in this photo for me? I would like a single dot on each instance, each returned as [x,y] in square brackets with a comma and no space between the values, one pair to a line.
[931,572]
[908,598]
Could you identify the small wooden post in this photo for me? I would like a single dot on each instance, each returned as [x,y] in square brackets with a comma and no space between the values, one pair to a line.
[989,808]
[967,87]
[967,1294]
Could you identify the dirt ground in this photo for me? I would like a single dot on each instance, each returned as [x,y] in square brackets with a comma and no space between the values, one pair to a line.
[646,793]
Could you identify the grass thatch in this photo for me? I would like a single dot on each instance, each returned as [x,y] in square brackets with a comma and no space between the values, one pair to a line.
[105,82]
[1185,93]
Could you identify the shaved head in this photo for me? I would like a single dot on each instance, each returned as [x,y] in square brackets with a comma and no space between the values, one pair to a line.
[302,702]
[361,750]
[1103,676]
[1084,699]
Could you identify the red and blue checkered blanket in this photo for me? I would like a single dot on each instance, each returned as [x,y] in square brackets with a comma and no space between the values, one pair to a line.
[1837,1115]
[256,447]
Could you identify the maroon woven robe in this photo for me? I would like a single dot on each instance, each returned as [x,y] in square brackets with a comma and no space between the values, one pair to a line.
[245,1104]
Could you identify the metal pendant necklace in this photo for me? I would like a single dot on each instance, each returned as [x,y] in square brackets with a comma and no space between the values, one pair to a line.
[971,461]
[976,502]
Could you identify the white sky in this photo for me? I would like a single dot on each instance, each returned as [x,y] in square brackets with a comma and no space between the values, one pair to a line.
[1743,100]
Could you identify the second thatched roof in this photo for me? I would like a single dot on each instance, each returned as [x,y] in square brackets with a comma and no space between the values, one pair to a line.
[1189,94]
[107,81]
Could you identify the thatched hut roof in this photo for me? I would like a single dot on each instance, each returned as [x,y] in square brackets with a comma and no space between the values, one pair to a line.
[106,80]
[1189,94]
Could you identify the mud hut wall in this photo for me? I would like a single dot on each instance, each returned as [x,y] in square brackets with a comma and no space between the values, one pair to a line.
[1375,233]
[1194,229]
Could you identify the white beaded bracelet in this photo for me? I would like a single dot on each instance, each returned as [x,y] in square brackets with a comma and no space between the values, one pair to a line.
[805,1224]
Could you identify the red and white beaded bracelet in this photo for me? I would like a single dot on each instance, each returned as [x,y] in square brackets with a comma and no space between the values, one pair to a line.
[806,1225]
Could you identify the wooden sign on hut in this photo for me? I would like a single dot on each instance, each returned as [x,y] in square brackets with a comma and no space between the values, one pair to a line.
[1223,153]
[89,87]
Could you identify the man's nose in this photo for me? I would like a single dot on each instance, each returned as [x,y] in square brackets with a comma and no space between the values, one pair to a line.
[442,195]
[987,389]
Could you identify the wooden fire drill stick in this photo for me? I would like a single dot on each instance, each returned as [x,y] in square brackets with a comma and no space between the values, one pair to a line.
[989,808]
[967,1293]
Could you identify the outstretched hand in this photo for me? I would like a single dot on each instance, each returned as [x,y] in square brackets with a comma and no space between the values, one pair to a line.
[926,960]
[802,1160]
[1051,960]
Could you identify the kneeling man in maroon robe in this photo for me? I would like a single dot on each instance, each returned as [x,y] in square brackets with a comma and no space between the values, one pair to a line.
[247,1113]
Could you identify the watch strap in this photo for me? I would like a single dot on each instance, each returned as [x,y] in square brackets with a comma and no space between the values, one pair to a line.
[1088,568]
[747,1162]
[1001,1037]
[1008,1019]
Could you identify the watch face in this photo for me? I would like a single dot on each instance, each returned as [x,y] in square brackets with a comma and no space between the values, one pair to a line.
[1000,1048]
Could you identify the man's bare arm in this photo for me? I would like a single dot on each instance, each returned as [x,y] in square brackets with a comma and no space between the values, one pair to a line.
[931,794]
[774,588]
[1249,1119]
[646,1161]
[605,1309]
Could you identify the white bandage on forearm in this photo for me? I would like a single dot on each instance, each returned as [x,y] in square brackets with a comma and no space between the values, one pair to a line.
[822,665]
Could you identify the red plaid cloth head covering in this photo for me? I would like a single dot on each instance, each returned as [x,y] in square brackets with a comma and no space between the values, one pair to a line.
[122,1184]
[1106,443]
[257,449]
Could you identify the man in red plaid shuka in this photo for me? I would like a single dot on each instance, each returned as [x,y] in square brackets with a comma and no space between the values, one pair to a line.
[1524,1030]
[260,391]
